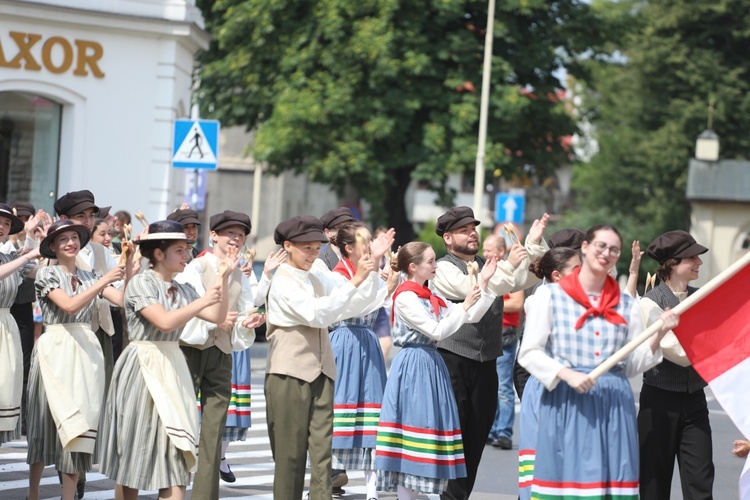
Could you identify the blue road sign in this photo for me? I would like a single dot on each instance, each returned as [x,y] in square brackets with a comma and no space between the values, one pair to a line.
[196,144]
[509,207]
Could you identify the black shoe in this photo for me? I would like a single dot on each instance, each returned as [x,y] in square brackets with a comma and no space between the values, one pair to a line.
[227,477]
[503,442]
[338,491]
[339,478]
[80,487]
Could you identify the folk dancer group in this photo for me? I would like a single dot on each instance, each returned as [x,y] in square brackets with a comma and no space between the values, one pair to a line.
[179,392]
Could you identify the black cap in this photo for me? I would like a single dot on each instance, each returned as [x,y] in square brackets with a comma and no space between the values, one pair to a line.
[229,218]
[163,230]
[567,238]
[674,245]
[302,228]
[61,226]
[184,216]
[336,217]
[75,202]
[24,208]
[16,224]
[454,218]
[103,212]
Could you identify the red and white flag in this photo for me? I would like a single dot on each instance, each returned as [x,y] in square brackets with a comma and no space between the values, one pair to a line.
[715,333]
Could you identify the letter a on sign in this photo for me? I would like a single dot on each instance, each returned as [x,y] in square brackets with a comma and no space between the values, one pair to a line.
[195,144]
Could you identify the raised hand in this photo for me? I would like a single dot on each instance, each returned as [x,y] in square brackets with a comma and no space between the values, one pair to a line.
[212,296]
[516,255]
[273,261]
[382,244]
[34,221]
[115,274]
[472,297]
[490,266]
[537,229]
[635,259]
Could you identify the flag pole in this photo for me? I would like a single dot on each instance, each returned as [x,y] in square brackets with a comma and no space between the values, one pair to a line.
[683,306]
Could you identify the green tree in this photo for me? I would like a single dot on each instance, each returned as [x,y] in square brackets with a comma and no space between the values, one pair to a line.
[650,103]
[375,93]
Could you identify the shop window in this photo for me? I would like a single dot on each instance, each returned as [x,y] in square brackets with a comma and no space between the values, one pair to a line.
[29,148]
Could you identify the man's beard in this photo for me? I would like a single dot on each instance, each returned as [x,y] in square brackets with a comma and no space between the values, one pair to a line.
[466,250]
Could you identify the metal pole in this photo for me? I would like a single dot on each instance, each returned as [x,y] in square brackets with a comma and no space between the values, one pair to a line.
[479,194]
[257,176]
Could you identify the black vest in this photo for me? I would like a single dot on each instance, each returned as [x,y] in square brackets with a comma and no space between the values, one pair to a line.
[481,341]
[667,375]
[328,256]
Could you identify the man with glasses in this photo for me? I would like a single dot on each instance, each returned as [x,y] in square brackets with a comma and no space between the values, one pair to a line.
[471,353]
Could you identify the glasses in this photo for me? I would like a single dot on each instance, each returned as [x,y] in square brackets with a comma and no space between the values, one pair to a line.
[600,247]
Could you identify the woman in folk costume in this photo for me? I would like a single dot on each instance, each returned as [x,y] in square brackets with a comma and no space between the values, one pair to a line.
[66,379]
[587,441]
[552,267]
[13,269]
[419,408]
[358,392]
[232,340]
[150,423]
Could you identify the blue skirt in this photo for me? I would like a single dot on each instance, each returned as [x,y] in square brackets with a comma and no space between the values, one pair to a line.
[529,427]
[358,392]
[587,444]
[238,414]
[419,436]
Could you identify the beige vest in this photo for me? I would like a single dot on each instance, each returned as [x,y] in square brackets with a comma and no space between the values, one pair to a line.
[216,337]
[300,351]
[102,317]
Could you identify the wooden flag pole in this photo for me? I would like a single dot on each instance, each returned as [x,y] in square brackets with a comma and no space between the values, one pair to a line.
[679,309]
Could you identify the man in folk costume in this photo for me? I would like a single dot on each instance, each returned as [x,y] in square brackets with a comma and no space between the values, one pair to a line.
[301,370]
[471,353]
[673,417]
[330,254]
[190,222]
[208,347]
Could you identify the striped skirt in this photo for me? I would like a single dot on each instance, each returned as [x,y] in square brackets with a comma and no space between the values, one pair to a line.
[136,450]
[529,426]
[11,378]
[358,393]
[239,415]
[587,444]
[419,443]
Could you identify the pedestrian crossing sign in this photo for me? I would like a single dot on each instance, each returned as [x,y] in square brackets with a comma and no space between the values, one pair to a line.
[196,144]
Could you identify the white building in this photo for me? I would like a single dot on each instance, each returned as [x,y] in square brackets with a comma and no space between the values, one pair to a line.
[89,90]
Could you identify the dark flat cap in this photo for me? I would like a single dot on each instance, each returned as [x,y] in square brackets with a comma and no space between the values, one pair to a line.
[61,226]
[229,218]
[336,217]
[184,216]
[16,224]
[302,228]
[24,208]
[103,212]
[567,238]
[75,202]
[454,218]
[674,245]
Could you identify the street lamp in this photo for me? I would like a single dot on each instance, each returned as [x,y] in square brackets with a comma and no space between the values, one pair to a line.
[707,146]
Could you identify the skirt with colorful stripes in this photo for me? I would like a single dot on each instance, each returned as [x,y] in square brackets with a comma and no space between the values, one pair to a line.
[587,444]
[528,427]
[419,443]
[238,415]
[358,393]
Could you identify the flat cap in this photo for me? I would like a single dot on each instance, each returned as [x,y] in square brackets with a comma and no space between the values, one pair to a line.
[674,245]
[75,202]
[336,217]
[24,208]
[568,238]
[184,216]
[229,218]
[454,218]
[302,228]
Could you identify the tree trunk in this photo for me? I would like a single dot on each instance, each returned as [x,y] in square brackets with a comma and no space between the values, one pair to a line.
[395,207]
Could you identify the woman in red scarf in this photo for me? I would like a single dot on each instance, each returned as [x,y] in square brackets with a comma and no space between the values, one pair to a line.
[587,440]
[419,443]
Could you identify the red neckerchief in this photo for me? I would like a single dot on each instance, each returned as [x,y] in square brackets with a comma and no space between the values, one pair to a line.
[343,267]
[607,302]
[423,292]
[204,252]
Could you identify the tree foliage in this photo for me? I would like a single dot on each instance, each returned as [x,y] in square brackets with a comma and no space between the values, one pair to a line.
[650,103]
[375,93]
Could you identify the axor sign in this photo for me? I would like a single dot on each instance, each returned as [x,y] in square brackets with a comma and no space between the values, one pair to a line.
[56,54]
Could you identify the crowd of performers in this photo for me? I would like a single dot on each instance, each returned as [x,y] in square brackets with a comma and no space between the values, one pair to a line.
[179,392]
